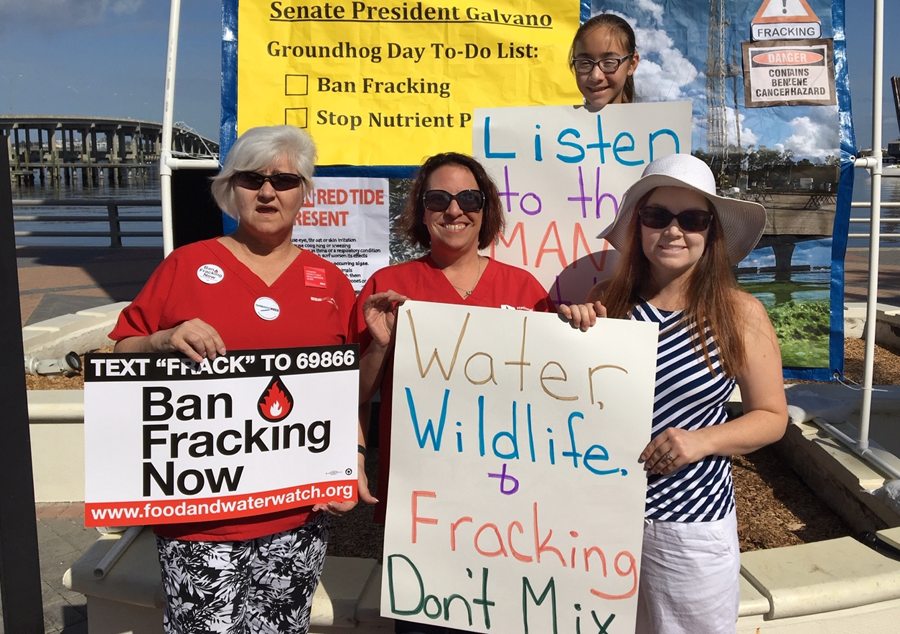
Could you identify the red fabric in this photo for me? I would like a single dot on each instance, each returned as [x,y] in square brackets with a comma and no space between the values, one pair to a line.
[311,314]
[500,286]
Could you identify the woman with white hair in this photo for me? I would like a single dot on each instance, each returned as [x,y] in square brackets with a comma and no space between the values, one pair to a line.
[251,289]
[678,241]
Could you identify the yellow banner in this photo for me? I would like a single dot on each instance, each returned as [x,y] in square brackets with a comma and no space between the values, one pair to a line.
[389,83]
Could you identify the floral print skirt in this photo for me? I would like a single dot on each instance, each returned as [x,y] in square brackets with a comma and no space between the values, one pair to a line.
[261,585]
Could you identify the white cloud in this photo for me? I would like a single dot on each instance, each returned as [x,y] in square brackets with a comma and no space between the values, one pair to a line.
[652,8]
[816,135]
[748,137]
[124,7]
[668,79]
[64,13]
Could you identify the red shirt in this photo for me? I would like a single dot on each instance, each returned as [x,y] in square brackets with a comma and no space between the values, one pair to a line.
[206,281]
[500,286]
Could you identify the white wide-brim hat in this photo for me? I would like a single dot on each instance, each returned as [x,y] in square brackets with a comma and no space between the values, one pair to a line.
[741,222]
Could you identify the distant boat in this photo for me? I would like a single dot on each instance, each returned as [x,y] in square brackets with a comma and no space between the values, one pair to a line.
[891,170]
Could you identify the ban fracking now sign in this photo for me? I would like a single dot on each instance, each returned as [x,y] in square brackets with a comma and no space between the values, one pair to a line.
[251,432]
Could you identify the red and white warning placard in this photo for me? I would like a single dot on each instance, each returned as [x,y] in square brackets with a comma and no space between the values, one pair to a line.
[788,73]
[252,432]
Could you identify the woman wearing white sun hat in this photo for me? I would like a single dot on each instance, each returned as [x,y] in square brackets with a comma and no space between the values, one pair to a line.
[678,242]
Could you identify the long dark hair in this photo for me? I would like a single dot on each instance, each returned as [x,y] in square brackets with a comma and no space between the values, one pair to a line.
[412,218]
[711,293]
[617,25]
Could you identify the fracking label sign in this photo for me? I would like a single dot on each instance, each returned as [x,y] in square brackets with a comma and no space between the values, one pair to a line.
[516,499]
[251,432]
[789,73]
[785,20]
[388,83]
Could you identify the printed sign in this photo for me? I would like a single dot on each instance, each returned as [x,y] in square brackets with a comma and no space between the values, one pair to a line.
[516,498]
[168,440]
[785,20]
[389,83]
[561,172]
[789,73]
[345,221]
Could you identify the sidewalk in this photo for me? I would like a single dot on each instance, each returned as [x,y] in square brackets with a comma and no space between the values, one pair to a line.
[856,276]
[61,281]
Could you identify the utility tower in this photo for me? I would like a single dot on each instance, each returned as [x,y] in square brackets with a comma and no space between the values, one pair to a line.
[716,73]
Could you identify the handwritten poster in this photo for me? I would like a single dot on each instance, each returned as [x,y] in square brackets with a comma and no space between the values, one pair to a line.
[345,221]
[516,498]
[562,171]
[251,432]
[387,83]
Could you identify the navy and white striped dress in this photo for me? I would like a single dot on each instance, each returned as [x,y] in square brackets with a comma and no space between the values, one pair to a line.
[687,396]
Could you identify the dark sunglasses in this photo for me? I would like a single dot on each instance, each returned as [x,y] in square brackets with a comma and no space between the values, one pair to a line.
[255,180]
[689,220]
[468,200]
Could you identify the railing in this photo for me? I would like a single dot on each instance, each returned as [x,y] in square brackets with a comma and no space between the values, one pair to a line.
[864,205]
[115,233]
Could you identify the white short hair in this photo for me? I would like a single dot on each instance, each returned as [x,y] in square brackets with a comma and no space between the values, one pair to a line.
[258,149]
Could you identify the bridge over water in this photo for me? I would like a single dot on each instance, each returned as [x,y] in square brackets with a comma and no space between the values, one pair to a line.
[55,148]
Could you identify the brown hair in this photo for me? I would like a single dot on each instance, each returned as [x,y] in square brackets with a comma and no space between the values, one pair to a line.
[711,294]
[618,26]
[412,218]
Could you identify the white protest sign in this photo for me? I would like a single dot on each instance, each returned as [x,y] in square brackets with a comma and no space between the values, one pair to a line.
[345,221]
[251,432]
[516,498]
[561,172]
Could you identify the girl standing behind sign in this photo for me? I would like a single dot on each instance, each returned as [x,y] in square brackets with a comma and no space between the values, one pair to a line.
[604,57]
[678,241]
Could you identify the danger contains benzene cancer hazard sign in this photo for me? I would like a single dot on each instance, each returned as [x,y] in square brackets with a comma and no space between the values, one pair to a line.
[789,73]
[251,432]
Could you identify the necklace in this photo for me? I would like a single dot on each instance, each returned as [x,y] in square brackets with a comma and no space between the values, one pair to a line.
[465,292]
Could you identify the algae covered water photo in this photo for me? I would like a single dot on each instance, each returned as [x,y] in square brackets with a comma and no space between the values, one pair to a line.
[797,299]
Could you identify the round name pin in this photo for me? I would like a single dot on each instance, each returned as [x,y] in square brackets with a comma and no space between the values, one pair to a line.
[210,274]
[267,308]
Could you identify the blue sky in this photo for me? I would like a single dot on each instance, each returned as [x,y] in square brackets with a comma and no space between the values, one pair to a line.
[108,58]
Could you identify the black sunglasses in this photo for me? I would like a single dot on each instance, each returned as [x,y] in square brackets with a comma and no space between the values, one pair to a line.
[468,200]
[689,220]
[255,180]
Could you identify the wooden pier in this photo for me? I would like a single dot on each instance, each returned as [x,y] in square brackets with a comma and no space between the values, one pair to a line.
[67,149]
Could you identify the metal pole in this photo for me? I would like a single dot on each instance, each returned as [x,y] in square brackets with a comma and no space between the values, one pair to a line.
[20,570]
[874,229]
[165,171]
[115,228]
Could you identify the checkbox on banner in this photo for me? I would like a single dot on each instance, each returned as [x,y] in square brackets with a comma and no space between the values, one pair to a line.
[296,85]
[297,117]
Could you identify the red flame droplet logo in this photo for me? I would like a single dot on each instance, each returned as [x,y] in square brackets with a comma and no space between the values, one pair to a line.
[276,402]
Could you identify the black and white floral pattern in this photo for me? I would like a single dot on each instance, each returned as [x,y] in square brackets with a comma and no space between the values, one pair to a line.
[263,585]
